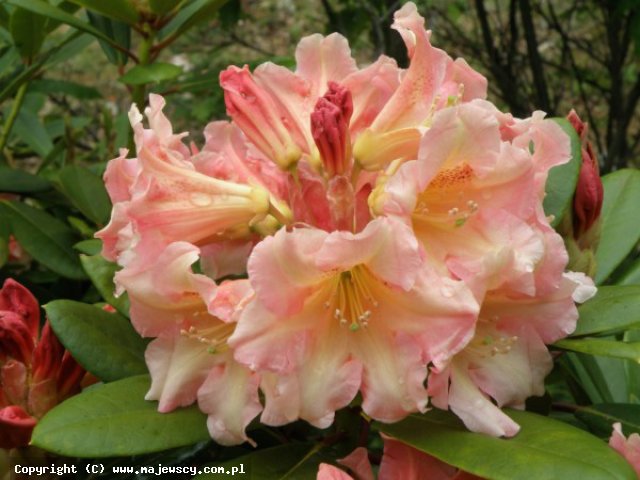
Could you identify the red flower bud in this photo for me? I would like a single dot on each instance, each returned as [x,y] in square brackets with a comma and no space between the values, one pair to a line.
[16,298]
[330,129]
[587,202]
[15,338]
[16,426]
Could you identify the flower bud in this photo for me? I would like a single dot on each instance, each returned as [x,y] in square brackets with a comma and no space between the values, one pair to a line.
[330,129]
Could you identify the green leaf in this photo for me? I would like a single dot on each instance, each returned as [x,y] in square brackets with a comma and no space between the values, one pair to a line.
[101,272]
[43,8]
[31,131]
[86,192]
[122,10]
[613,309]
[542,446]
[156,72]
[162,7]
[292,462]
[89,247]
[45,238]
[600,418]
[115,420]
[561,183]
[631,276]
[104,343]
[19,181]
[5,232]
[118,31]
[194,13]
[28,32]
[620,226]
[606,348]
[73,89]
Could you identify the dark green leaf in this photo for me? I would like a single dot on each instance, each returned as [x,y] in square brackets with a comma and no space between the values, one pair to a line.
[631,276]
[86,192]
[122,10]
[31,131]
[613,309]
[620,228]
[76,90]
[543,445]
[89,247]
[45,238]
[606,348]
[5,232]
[101,272]
[194,13]
[114,420]
[600,418]
[104,343]
[43,8]
[18,181]
[156,72]
[162,7]
[562,180]
[118,31]
[28,32]
[297,461]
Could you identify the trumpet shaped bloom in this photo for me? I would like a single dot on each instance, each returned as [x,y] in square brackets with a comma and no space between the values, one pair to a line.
[338,313]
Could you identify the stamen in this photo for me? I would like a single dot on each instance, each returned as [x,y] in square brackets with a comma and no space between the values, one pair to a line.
[216,337]
[352,299]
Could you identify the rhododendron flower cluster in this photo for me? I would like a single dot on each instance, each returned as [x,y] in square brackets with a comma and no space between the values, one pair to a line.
[351,230]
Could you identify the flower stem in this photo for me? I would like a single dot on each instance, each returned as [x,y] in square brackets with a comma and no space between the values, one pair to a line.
[8,126]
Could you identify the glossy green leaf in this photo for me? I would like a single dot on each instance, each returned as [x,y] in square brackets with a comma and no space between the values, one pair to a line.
[292,462]
[631,276]
[620,225]
[543,445]
[156,72]
[600,418]
[43,8]
[606,348]
[195,12]
[45,238]
[115,420]
[122,10]
[28,32]
[162,7]
[49,86]
[104,343]
[561,183]
[92,246]
[101,272]
[18,181]
[119,32]
[613,309]
[86,192]
[31,131]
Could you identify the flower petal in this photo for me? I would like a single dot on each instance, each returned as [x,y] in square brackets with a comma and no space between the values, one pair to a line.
[229,396]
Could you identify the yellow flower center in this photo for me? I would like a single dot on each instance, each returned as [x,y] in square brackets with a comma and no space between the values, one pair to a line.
[351,298]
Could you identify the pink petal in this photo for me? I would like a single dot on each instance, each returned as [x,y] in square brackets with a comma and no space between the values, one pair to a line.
[629,448]
[402,461]
[387,246]
[323,59]
[229,396]
[358,463]
[178,367]
[329,472]
[16,426]
[285,261]
[475,409]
